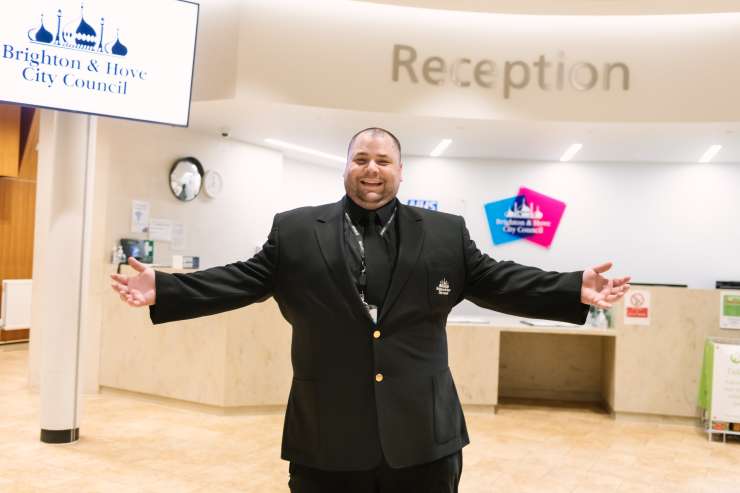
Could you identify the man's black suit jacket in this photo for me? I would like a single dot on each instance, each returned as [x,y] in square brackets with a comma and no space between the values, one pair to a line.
[339,417]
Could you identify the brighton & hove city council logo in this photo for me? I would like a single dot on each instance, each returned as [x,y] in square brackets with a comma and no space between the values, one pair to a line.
[73,54]
[528,215]
[77,34]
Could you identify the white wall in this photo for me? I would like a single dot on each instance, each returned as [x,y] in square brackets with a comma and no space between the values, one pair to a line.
[670,223]
[216,50]
[309,184]
[220,230]
[667,223]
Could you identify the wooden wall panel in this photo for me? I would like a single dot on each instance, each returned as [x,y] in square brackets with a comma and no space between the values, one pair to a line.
[30,155]
[10,139]
[17,218]
[14,335]
[17,210]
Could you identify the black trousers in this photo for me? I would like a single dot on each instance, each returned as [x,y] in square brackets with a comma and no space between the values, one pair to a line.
[440,476]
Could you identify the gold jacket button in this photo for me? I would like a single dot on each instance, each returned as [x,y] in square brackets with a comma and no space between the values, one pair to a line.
[376,334]
[379,377]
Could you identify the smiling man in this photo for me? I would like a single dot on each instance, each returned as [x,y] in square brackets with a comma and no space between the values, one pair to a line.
[373,171]
[367,284]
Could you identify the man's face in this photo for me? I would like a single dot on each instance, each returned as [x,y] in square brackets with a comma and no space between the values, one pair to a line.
[373,172]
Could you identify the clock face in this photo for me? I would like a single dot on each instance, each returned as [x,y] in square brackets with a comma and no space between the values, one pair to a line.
[213,183]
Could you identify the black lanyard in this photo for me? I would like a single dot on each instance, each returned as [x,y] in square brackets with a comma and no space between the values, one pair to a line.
[361,247]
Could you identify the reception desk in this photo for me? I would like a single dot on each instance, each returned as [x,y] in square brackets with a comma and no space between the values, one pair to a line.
[490,362]
[633,370]
[235,359]
[240,360]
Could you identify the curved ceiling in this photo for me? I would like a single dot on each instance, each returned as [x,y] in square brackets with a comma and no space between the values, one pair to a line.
[576,7]
[327,130]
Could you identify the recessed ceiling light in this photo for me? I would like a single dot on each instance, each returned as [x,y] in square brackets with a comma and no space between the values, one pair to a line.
[572,150]
[305,150]
[441,147]
[711,152]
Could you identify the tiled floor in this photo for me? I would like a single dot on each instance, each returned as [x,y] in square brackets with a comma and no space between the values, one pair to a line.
[128,445]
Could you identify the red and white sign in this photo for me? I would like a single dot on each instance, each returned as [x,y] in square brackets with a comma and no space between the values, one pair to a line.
[637,308]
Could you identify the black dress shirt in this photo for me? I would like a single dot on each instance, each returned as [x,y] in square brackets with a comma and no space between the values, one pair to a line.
[375,294]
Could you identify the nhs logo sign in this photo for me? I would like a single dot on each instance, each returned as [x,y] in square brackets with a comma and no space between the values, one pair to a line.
[130,59]
[432,205]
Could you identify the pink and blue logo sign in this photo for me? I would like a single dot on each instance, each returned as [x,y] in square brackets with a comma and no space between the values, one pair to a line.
[529,215]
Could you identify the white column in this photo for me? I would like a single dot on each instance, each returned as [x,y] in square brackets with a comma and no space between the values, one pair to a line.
[61,268]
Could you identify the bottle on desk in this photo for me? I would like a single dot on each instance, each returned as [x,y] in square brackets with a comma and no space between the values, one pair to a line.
[117,256]
[597,318]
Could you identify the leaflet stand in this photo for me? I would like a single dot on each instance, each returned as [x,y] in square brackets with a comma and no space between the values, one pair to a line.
[717,408]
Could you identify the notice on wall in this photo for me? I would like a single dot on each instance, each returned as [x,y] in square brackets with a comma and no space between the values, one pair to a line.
[729,310]
[726,383]
[160,229]
[637,308]
[139,216]
[178,237]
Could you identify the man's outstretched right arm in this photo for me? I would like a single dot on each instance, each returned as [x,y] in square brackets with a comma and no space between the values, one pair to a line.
[206,292]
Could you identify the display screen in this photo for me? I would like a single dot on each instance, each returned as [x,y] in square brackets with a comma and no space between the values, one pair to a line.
[131,59]
[141,250]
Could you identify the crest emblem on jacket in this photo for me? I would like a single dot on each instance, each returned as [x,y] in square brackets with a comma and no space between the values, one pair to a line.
[443,288]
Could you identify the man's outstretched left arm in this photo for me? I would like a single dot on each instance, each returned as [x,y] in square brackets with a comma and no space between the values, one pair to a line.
[525,291]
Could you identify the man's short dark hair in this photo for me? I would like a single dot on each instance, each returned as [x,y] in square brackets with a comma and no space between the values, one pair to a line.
[375,132]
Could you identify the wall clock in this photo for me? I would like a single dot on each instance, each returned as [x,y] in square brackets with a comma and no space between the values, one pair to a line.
[213,183]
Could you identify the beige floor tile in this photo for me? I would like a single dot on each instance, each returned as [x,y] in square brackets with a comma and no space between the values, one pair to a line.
[133,445]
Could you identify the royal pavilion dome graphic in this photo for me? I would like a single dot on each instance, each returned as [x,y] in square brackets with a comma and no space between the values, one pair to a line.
[118,48]
[85,35]
[42,35]
[78,34]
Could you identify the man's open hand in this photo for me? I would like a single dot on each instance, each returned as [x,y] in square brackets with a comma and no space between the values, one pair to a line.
[138,290]
[599,291]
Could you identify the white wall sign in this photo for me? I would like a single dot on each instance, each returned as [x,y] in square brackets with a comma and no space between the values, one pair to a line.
[160,230]
[546,74]
[139,216]
[726,383]
[432,205]
[130,59]
[178,236]
[729,309]
[637,308]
